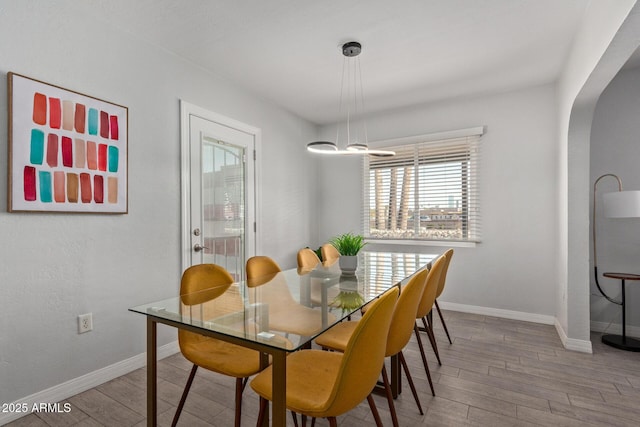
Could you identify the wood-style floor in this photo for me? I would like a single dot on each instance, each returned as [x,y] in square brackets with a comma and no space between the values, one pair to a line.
[497,373]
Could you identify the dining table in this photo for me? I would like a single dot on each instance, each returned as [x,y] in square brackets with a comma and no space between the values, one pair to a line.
[281,313]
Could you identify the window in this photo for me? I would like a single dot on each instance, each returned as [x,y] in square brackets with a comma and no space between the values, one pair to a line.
[427,191]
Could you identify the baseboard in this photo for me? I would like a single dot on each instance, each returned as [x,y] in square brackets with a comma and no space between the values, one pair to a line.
[85,382]
[614,328]
[568,343]
[583,346]
[497,312]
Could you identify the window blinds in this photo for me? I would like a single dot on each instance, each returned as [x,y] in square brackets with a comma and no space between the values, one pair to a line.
[427,191]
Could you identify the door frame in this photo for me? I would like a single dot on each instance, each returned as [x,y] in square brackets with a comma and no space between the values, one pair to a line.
[186,110]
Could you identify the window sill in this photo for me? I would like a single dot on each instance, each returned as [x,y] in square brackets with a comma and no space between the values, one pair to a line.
[401,242]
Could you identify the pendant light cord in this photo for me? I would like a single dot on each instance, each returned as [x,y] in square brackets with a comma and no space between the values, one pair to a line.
[344,68]
[364,122]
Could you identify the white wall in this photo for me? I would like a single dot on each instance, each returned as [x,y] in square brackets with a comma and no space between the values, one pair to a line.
[56,266]
[606,38]
[615,148]
[514,266]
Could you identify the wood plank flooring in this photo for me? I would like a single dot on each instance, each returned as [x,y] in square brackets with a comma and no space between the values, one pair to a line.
[498,372]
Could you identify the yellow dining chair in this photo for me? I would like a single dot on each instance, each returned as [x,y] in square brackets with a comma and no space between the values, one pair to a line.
[400,331]
[424,308]
[261,270]
[323,384]
[307,260]
[201,284]
[329,253]
[285,313]
[443,277]
[427,321]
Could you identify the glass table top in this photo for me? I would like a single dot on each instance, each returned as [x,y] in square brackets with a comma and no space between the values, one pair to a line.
[288,309]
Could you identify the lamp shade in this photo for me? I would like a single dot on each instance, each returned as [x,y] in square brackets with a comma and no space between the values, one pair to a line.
[622,204]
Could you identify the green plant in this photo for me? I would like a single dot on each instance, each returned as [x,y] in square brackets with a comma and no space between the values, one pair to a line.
[348,244]
[348,301]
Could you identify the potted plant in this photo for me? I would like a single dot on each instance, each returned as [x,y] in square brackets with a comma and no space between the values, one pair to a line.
[348,301]
[348,244]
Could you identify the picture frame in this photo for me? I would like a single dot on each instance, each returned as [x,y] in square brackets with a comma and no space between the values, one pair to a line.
[68,152]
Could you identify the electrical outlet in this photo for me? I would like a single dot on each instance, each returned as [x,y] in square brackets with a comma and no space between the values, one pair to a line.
[85,323]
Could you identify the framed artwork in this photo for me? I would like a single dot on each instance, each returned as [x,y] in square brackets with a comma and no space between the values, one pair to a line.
[67,151]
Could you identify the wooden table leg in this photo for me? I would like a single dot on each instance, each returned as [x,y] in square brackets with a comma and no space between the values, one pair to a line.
[152,370]
[264,362]
[396,378]
[279,382]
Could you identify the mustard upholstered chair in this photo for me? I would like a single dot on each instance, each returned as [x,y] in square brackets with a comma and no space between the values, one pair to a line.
[323,384]
[200,284]
[307,259]
[427,320]
[443,277]
[424,308]
[285,313]
[329,253]
[400,331]
[261,270]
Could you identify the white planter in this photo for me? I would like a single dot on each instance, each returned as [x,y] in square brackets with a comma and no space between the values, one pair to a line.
[348,264]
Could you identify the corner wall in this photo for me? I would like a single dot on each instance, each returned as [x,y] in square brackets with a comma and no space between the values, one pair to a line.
[56,266]
[608,36]
[615,133]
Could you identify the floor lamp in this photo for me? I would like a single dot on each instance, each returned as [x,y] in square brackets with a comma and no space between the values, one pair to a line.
[618,204]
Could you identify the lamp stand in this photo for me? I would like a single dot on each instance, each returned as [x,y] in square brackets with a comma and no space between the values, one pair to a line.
[621,342]
[593,228]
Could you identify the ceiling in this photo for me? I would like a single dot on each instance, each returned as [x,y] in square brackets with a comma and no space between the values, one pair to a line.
[414,51]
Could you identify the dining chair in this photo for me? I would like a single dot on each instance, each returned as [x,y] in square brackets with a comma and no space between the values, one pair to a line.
[323,384]
[424,308]
[329,253]
[285,313]
[443,277]
[261,270]
[400,330]
[307,259]
[202,284]
[428,319]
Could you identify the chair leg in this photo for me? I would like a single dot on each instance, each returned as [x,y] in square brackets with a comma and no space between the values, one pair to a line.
[239,388]
[424,358]
[443,322]
[387,389]
[413,387]
[263,411]
[333,422]
[428,328]
[183,399]
[374,410]
[295,418]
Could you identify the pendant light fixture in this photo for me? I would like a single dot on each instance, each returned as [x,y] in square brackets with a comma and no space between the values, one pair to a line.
[352,101]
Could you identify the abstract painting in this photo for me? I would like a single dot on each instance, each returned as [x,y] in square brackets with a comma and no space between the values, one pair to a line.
[68,152]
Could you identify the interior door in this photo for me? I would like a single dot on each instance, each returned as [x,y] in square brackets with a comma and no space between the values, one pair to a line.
[221,195]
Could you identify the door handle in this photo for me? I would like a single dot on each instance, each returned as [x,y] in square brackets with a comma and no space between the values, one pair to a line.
[199,248]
